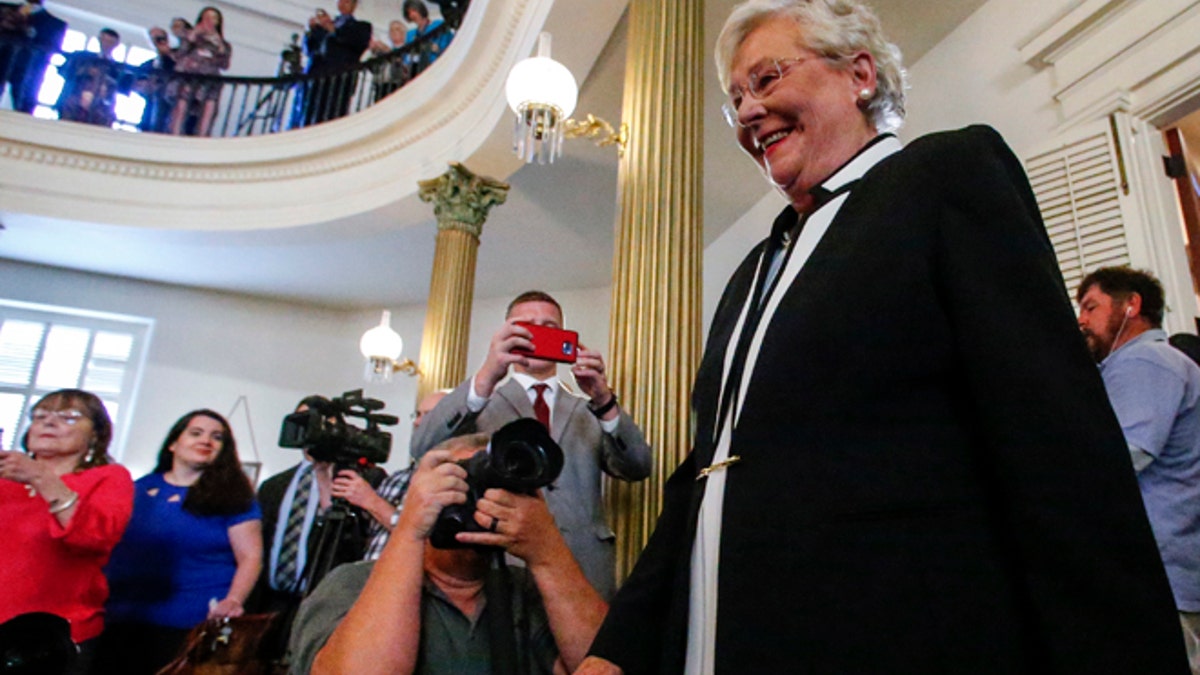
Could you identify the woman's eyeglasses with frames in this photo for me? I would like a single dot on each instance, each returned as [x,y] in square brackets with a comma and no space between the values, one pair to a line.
[68,417]
[759,85]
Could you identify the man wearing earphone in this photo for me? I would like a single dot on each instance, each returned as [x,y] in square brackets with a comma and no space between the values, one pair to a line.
[1155,391]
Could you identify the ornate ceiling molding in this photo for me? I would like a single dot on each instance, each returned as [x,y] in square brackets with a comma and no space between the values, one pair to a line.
[1109,55]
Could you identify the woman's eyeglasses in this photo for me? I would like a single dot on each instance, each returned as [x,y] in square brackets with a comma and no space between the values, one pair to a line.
[67,417]
[759,85]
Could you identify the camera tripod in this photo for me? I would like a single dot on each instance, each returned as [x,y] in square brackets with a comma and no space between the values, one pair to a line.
[328,552]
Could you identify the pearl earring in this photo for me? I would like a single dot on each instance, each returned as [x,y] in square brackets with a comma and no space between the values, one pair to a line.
[864,94]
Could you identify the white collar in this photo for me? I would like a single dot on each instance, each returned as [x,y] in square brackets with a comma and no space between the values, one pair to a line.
[527,381]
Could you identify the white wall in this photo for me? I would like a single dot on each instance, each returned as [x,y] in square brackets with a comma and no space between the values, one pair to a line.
[976,75]
[208,348]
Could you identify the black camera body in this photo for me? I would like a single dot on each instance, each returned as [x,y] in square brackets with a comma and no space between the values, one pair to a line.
[322,430]
[521,458]
[291,59]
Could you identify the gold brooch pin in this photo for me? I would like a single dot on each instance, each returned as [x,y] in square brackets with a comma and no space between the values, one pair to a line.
[718,466]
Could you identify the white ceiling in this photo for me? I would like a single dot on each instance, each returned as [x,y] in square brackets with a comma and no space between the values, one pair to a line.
[555,231]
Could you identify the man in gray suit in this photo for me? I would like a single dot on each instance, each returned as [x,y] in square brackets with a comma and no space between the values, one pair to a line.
[595,433]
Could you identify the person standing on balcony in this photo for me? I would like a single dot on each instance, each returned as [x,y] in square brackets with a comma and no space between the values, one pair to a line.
[202,51]
[418,14]
[334,47]
[92,82]
[152,79]
[29,36]
[391,73]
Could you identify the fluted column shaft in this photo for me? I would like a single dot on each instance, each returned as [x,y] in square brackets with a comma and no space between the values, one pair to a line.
[656,301]
[461,202]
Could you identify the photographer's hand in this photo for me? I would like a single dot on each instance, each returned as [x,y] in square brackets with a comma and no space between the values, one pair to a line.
[523,526]
[355,489]
[381,632]
[438,482]
[589,371]
[500,356]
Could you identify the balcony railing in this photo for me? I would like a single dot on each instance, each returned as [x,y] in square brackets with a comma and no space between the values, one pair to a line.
[244,106]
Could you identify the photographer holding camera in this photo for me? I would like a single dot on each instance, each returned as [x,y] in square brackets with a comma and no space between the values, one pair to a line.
[296,504]
[595,433]
[422,607]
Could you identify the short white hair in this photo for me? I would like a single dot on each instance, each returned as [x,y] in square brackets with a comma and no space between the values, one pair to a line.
[836,29]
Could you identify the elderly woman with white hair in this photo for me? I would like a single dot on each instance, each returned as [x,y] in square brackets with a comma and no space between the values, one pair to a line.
[904,459]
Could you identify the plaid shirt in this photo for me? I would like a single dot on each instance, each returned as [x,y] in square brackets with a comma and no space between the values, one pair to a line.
[391,489]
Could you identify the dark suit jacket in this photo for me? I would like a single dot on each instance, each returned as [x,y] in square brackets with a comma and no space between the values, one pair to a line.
[932,480]
[575,498]
[332,51]
[24,57]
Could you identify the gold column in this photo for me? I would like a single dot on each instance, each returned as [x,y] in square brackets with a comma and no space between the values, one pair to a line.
[461,202]
[656,301]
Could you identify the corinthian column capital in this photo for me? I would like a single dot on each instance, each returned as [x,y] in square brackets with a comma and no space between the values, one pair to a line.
[461,199]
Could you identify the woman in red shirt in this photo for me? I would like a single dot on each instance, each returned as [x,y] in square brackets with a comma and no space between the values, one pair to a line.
[64,506]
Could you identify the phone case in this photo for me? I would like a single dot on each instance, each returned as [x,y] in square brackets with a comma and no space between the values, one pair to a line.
[552,344]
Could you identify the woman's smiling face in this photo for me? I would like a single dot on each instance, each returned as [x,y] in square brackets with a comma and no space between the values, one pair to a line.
[808,121]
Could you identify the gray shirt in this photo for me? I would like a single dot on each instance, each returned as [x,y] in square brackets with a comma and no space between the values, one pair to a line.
[451,642]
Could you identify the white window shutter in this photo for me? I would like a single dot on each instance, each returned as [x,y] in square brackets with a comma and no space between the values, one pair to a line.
[1077,185]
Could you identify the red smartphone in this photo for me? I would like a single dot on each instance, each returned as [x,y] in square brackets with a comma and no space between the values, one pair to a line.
[552,344]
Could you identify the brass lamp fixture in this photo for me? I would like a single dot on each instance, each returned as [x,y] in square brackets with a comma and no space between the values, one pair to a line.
[382,347]
[543,93]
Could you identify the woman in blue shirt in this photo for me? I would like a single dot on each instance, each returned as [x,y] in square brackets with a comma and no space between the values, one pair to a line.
[417,14]
[193,549]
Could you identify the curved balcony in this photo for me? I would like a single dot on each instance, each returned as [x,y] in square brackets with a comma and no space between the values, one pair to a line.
[243,106]
[315,173]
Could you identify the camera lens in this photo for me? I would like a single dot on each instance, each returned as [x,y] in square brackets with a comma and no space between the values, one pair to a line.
[521,461]
[523,457]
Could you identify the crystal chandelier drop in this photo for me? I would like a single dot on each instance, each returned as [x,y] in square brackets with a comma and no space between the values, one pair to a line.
[542,93]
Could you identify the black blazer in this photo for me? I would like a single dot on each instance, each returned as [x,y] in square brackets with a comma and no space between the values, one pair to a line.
[932,480]
[24,56]
[341,48]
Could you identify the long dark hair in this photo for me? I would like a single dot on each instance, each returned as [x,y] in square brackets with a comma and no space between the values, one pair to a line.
[220,19]
[93,407]
[223,488]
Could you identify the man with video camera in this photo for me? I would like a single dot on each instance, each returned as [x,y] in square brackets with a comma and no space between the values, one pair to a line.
[595,433]
[296,506]
[423,609]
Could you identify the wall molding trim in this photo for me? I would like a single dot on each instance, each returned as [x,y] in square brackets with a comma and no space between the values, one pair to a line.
[1143,53]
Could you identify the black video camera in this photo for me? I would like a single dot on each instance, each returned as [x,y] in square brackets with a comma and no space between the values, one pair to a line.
[292,57]
[520,458]
[322,430]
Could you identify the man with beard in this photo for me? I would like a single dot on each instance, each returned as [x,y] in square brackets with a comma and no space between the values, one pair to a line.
[1155,391]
